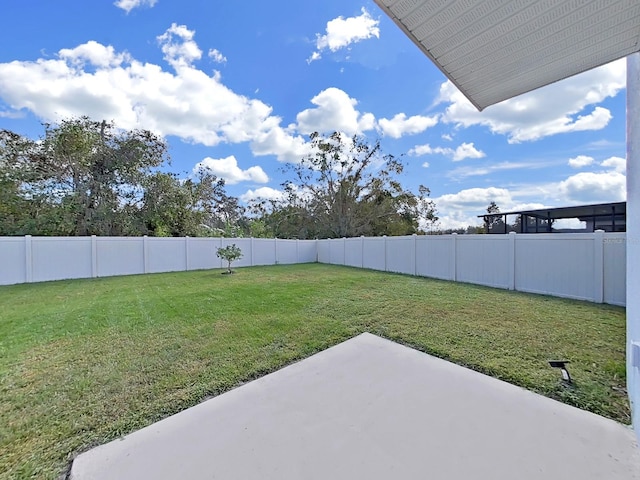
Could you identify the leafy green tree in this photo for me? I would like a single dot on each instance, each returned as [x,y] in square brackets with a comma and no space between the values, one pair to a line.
[175,207]
[494,223]
[86,177]
[230,253]
[347,188]
[82,178]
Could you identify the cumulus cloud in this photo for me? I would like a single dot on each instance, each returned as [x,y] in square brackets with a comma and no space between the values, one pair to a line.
[580,161]
[262,193]
[228,169]
[558,108]
[459,210]
[217,56]
[427,149]
[591,187]
[618,164]
[178,46]
[280,142]
[128,5]
[400,125]
[463,151]
[95,80]
[92,53]
[342,32]
[335,111]
[475,198]
[467,150]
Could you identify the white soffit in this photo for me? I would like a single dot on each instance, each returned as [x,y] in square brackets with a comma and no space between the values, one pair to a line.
[493,50]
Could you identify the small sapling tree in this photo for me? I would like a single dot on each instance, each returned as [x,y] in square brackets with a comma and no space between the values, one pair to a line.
[230,253]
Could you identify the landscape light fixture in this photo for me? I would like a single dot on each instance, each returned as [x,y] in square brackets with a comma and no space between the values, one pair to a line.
[561,364]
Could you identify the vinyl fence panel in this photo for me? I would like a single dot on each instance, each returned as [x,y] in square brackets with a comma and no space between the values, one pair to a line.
[287,251]
[615,267]
[400,253]
[556,264]
[435,256]
[119,256]
[13,260]
[57,258]
[353,252]
[483,260]
[374,253]
[586,266]
[307,251]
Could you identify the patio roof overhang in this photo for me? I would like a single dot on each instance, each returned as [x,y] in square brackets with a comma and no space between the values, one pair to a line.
[493,50]
[579,211]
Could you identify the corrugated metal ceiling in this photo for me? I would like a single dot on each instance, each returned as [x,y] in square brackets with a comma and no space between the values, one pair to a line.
[493,50]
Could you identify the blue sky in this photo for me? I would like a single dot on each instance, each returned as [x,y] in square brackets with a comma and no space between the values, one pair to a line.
[237,87]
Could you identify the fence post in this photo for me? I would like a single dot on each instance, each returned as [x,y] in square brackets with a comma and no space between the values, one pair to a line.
[415,254]
[275,249]
[28,259]
[598,266]
[511,268]
[94,256]
[186,253]
[344,251]
[145,253]
[454,257]
[251,257]
[384,240]
[361,251]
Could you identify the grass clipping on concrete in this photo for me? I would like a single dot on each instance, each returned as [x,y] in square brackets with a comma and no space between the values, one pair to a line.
[85,361]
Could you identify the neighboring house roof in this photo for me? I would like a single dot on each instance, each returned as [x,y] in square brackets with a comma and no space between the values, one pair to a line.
[493,50]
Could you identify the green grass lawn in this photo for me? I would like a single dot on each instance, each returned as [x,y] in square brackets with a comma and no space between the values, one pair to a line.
[85,361]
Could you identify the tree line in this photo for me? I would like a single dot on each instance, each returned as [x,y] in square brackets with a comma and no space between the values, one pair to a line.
[86,177]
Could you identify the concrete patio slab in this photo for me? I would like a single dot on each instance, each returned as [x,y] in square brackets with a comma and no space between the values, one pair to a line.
[370,408]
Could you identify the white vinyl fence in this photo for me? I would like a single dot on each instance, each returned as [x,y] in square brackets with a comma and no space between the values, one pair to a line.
[586,266]
[38,259]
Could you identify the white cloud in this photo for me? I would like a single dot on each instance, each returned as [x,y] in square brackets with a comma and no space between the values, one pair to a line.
[281,143]
[178,46]
[465,150]
[580,161]
[590,187]
[400,125]
[217,56]
[446,136]
[618,164]
[366,122]
[314,56]
[459,210]
[335,111]
[557,108]
[227,168]
[475,199]
[342,32]
[569,223]
[426,165]
[473,171]
[262,193]
[92,53]
[94,80]
[426,149]
[128,5]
